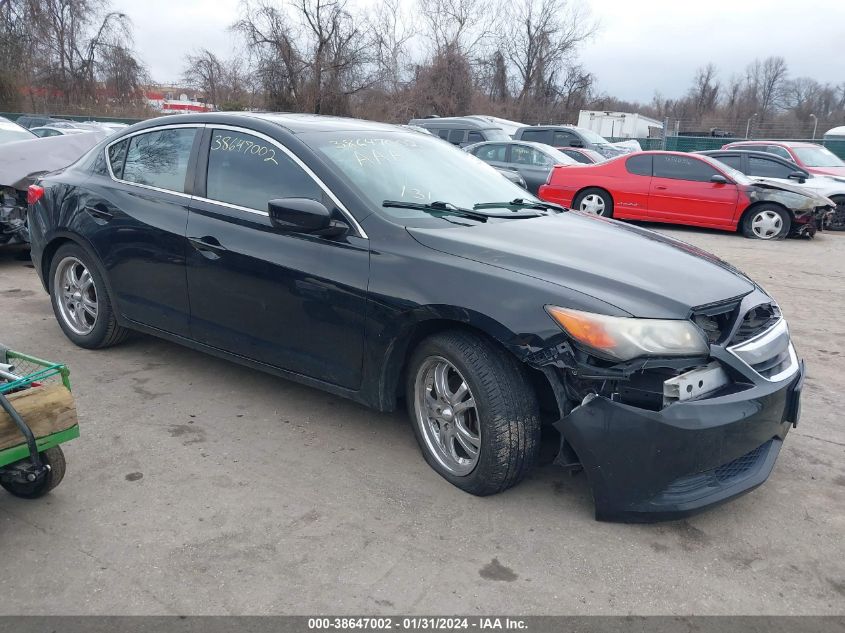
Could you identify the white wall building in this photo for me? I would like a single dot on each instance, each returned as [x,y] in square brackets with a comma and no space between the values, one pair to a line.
[619,124]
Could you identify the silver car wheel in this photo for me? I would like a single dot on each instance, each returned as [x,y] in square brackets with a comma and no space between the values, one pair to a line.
[447,415]
[592,204]
[767,224]
[76,295]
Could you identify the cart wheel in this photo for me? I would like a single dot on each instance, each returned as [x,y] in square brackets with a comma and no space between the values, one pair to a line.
[55,459]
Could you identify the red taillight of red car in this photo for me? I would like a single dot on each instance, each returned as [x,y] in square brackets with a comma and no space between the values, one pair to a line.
[34,193]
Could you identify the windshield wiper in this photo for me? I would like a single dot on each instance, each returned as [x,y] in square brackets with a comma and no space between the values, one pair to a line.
[443,207]
[520,204]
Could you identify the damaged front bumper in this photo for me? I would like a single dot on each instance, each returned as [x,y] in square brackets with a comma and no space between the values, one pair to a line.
[653,459]
[658,465]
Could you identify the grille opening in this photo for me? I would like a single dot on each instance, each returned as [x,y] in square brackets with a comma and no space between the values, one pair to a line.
[756,321]
[724,475]
[715,321]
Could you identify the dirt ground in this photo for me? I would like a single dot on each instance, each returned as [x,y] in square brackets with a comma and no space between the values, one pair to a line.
[199,487]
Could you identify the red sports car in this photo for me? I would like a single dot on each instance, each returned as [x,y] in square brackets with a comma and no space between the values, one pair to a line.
[687,189]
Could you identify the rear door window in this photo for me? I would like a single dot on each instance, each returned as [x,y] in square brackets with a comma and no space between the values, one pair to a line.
[474,137]
[160,159]
[117,157]
[535,135]
[248,171]
[682,168]
[492,153]
[444,134]
[565,139]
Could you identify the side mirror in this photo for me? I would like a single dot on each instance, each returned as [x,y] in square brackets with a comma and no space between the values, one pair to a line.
[304,215]
[719,179]
[800,176]
[575,143]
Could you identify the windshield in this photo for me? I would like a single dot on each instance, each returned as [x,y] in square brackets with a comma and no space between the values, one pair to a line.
[818,157]
[555,154]
[592,137]
[410,167]
[495,134]
[10,132]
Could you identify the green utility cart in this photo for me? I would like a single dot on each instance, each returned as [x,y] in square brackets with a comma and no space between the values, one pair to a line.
[37,415]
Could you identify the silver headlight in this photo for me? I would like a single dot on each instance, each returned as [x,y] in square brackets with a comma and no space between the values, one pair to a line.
[623,338]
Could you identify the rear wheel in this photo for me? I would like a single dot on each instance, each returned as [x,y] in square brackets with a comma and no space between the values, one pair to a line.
[52,457]
[474,414]
[837,222]
[80,301]
[594,201]
[766,222]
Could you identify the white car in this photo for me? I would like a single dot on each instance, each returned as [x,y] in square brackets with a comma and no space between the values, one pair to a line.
[45,131]
[10,132]
[759,165]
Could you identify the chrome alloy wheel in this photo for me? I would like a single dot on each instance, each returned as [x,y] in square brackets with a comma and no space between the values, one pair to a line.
[767,224]
[447,415]
[592,204]
[76,295]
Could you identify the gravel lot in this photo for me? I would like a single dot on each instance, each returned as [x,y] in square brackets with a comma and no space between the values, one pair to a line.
[199,487]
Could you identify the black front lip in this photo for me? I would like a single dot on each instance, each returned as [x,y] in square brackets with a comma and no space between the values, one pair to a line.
[648,466]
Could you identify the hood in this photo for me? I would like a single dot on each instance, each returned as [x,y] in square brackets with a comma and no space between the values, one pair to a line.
[22,161]
[640,272]
[828,171]
[777,185]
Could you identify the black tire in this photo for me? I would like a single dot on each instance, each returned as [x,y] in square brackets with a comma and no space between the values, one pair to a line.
[606,199]
[53,457]
[106,331]
[507,410]
[837,222]
[748,219]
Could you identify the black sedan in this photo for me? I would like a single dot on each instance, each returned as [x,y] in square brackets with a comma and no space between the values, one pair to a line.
[389,267]
[532,161]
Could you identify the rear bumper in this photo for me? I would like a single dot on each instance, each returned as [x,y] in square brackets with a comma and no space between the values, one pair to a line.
[659,465]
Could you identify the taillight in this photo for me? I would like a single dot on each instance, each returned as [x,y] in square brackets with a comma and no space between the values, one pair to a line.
[34,193]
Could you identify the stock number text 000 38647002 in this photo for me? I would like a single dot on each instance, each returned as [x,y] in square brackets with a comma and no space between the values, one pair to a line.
[244,146]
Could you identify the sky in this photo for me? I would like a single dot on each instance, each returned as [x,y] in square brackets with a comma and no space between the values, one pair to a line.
[641,46]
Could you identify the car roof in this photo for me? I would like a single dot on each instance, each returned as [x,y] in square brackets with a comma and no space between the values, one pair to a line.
[293,122]
[749,152]
[782,143]
[566,126]
[456,121]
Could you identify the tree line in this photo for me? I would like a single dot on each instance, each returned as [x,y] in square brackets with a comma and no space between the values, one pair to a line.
[391,61]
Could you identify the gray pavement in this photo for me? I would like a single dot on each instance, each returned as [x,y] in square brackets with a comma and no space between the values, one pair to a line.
[199,487]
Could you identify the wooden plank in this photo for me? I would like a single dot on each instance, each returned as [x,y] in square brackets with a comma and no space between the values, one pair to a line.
[46,409]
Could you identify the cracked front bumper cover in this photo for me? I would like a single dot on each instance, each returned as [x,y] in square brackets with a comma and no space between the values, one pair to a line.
[659,465]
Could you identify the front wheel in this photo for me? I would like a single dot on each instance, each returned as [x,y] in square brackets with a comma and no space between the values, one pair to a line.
[474,414]
[766,222]
[595,202]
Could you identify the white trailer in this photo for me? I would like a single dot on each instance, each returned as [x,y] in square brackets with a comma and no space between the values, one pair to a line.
[619,124]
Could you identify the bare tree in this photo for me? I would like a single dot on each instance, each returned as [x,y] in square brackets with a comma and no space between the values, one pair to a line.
[544,37]
[705,90]
[392,31]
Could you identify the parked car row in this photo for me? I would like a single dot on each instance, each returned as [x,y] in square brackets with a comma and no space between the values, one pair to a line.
[389,267]
[692,189]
